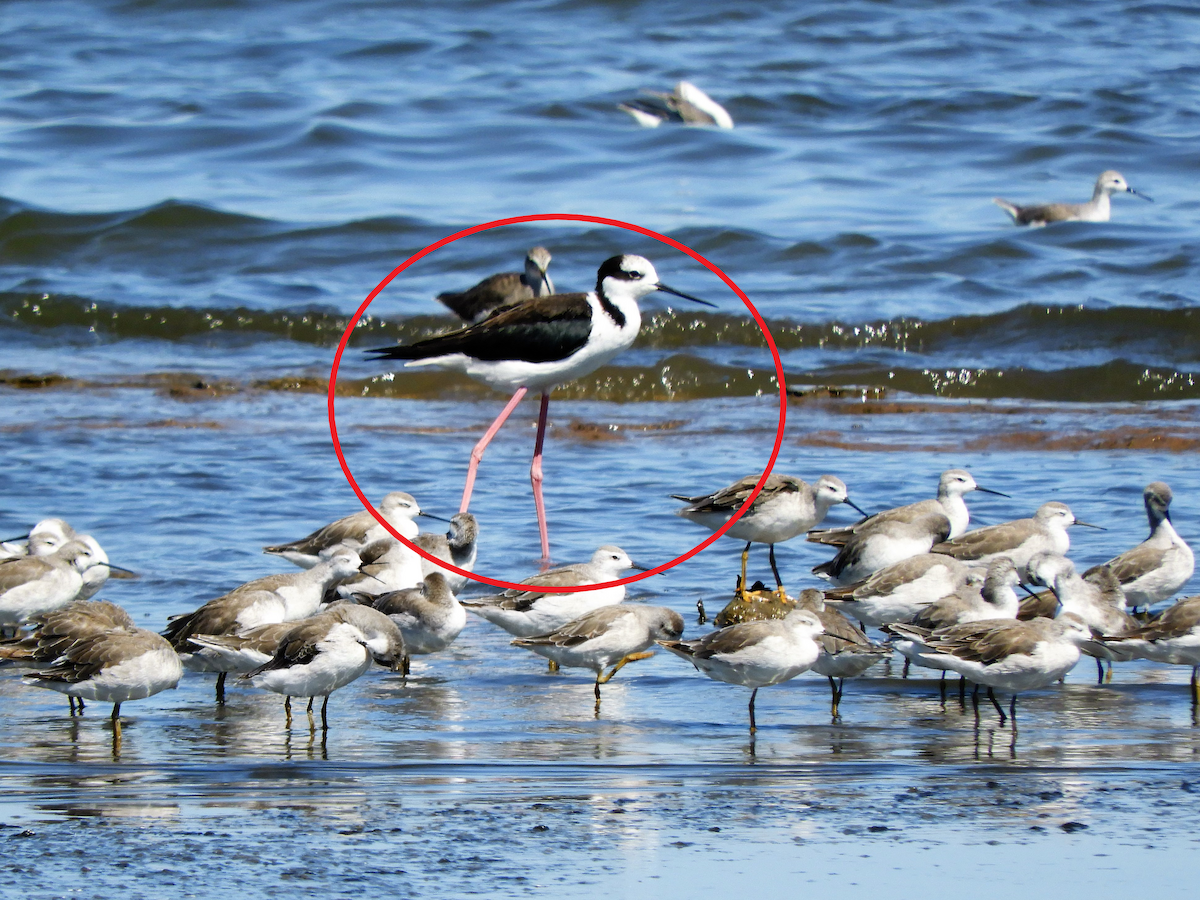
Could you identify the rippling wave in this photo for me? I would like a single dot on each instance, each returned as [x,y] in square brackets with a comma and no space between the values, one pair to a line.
[1175,331]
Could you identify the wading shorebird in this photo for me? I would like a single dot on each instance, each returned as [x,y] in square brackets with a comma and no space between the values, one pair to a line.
[608,636]
[1019,540]
[755,654]
[1160,565]
[354,531]
[687,104]
[784,508]
[539,344]
[113,666]
[1098,209]
[1004,654]
[896,534]
[502,289]
[530,612]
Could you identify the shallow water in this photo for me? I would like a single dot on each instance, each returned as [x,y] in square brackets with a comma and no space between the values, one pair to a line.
[195,201]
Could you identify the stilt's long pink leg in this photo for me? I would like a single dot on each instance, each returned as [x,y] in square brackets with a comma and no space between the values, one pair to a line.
[477,453]
[535,478]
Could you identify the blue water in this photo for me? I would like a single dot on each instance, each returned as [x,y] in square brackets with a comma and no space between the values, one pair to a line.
[168,171]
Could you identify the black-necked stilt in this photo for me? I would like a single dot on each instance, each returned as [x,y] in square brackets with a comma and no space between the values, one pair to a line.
[783,509]
[687,104]
[503,289]
[530,612]
[539,344]
[896,534]
[1098,209]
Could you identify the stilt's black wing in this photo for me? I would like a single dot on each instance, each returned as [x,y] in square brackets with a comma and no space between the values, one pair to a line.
[544,329]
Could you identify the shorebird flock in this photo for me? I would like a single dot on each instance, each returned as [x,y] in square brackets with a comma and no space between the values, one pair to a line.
[942,596]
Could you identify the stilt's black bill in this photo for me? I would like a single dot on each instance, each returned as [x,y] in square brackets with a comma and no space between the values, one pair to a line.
[670,290]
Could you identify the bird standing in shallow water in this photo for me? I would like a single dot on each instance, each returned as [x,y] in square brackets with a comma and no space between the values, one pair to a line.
[530,612]
[784,508]
[608,636]
[1098,209]
[541,343]
[755,654]
[1160,565]
[503,289]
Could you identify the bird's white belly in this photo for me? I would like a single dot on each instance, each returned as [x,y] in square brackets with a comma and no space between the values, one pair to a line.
[338,664]
[132,679]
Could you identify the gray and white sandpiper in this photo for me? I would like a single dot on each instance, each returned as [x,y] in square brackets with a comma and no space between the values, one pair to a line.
[538,344]
[1159,566]
[32,585]
[528,613]
[387,565]
[755,654]
[55,633]
[112,666]
[846,652]
[44,537]
[1097,599]
[503,289]
[687,104]
[353,531]
[785,507]
[1019,540]
[1172,637]
[328,651]
[1005,654]
[264,601]
[458,546]
[608,636]
[430,616]
[1098,209]
[237,653]
[900,591]
[896,534]
[984,595]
